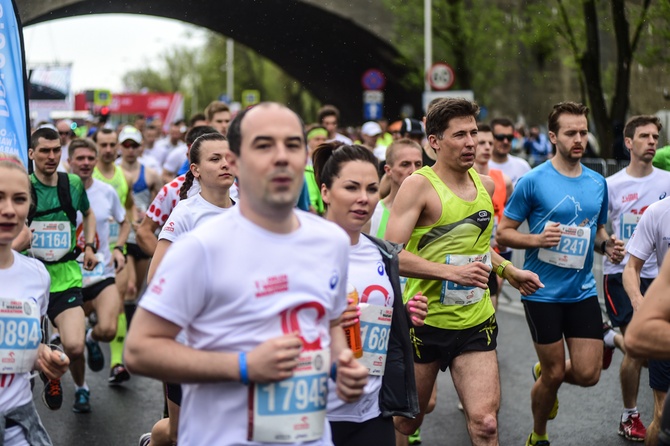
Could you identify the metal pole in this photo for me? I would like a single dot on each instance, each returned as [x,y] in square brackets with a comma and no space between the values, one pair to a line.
[229,69]
[428,40]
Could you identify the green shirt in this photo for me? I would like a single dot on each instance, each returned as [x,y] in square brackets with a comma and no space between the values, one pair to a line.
[462,232]
[64,275]
[314,190]
[118,182]
[662,158]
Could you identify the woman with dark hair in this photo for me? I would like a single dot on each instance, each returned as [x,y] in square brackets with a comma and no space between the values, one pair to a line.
[350,191]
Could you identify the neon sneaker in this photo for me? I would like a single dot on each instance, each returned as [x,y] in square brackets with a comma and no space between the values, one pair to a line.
[81,401]
[608,351]
[145,439]
[52,396]
[633,429]
[94,357]
[118,374]
[415,438]
[537,443]
[537,371]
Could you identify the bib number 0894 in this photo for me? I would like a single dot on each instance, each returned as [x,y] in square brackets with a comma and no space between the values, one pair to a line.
[21,333]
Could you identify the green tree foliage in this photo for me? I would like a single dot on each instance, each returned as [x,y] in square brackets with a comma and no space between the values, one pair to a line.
[472,36]
[202,73]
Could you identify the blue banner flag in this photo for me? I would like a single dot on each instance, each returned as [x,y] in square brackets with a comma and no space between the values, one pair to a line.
[14,118]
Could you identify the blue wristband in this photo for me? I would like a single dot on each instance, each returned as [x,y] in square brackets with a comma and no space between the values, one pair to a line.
[333,372]
[244,373]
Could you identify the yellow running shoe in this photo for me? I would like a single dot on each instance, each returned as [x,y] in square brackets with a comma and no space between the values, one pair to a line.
[537,371]
[529,442]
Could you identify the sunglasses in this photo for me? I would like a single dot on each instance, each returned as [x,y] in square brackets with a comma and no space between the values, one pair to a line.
[502,137]
[130,145]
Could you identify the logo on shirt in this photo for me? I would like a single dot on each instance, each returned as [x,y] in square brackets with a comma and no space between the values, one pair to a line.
[170,227]
[271,285]
[371,289]
[10,359]
[380,268]
[334,279]
[157,288]
[303,425]
[662,196]
[629,197]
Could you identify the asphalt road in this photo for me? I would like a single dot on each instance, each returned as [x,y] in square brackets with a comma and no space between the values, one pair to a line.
[586,416]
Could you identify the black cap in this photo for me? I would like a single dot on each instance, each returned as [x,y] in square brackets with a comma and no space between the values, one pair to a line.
[411,126]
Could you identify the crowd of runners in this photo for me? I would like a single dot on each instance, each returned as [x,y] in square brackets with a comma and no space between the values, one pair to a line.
[308,288]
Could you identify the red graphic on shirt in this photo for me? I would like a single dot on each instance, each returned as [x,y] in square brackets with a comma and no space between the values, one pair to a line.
[369,290]
[81,240]
[291,324]
[6,380]
[629,197]
[271,285]
[639,211]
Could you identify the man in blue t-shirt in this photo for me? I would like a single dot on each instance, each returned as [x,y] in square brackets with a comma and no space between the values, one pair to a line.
[565,204]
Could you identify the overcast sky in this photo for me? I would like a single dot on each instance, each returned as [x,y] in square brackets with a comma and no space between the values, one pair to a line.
[103,47]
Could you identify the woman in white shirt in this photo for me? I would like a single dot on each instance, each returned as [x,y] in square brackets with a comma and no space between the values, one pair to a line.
[350,191]
[25,296]
[210,167]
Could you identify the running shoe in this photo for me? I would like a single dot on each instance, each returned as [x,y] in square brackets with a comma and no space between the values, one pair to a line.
[415,438]
[118,374]
[145,439]
[633,429]
[52,396]
[81,401]
[95,358]
[537,443]
[537,371]
[608,351]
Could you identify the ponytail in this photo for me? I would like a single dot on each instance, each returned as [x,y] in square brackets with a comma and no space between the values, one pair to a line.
[188,182]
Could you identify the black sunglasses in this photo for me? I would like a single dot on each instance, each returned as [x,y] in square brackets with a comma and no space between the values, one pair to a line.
[502,137]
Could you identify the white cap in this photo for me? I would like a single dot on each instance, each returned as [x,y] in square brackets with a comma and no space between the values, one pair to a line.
[371,128]
[130,132]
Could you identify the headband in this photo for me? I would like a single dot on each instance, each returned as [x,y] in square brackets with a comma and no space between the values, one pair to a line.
[317,132]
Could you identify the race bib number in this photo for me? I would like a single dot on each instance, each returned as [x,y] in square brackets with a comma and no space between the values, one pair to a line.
[51,239]
[455,294]
[572,249]
[113,231]
[375,334]
[20,335]
[628,224]
[293,410]
[96,274]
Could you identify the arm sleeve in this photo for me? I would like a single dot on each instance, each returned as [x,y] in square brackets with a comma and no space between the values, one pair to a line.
[178,223]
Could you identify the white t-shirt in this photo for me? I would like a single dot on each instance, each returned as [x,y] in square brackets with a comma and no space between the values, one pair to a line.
[150,162]
[107,208]
[27,279]
[187,215]
[340,137]
[368,275]
[652,233]
[514,167]
[245,285]
[175,159]
[158,153]
[629,198]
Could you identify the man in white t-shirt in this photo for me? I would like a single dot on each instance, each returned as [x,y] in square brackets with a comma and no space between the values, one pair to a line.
[176,150]
[329,118]
[258,328]
[99,286]
[650,237]
[631,191]
[512,166]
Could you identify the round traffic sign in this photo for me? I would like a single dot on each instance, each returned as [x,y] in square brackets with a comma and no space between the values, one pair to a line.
[373,79]
[441,76]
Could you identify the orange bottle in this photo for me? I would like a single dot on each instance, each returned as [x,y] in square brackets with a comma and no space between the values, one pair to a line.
[353,332]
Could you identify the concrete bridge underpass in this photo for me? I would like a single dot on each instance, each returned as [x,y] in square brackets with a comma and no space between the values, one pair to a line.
[327,45]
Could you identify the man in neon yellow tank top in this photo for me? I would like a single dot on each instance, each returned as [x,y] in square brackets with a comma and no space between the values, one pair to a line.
[444,215]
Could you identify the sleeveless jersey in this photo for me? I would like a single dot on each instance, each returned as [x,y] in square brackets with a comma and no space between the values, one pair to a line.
[463,229]
[118,182]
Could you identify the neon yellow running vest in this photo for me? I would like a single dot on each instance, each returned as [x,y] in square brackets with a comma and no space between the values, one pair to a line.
[118,182]
[463,229]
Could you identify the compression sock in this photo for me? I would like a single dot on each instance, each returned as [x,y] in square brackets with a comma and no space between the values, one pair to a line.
[116,345]
[129,308]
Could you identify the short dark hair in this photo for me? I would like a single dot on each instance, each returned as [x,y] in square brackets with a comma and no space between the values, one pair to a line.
[197,132]
[104,131]
[44,132]
[505,122]
[639,121]
[195,118]
[328,110]
[81,143]
[439,116]
[569,108]
[484,128]
[329,157]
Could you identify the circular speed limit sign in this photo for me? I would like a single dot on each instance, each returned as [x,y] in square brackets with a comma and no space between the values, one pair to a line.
[441,76]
